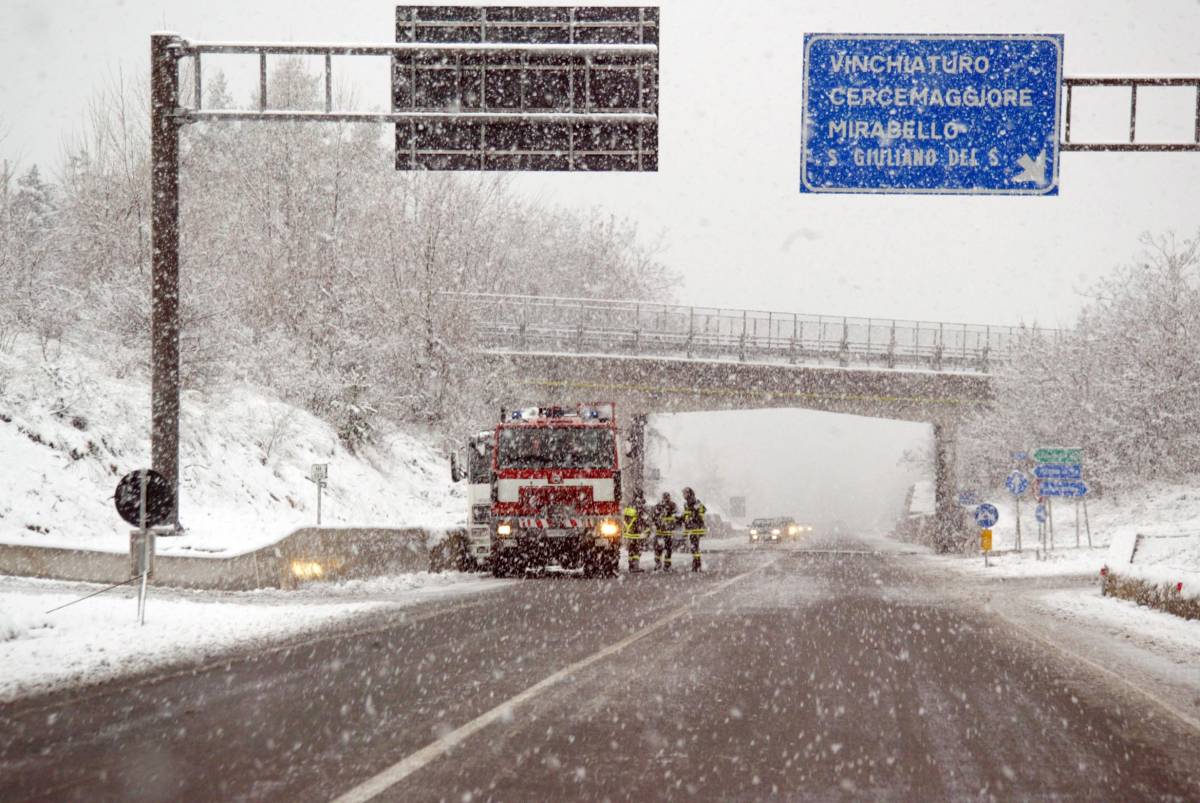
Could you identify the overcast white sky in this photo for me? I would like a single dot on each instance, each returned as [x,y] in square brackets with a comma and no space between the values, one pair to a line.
[736,227]
[726,199]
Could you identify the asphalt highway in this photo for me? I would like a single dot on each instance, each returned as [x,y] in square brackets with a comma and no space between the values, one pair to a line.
[777,674]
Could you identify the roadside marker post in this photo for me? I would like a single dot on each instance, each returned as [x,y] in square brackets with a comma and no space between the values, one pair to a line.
[1017,484]
[146,500]
[1039,513]
[318,476]
[986,515]
[1050,520]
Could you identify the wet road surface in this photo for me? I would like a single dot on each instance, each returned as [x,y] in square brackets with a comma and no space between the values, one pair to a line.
[776,674]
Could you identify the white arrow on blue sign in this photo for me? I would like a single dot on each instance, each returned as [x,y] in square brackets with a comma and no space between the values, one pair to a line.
[1062,488]
[1017,483]
[1059,471]
[986,515]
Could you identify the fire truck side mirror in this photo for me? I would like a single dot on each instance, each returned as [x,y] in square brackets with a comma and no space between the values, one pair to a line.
[455,471]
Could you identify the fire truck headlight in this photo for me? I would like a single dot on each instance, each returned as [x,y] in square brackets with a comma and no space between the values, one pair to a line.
[793,529]
[775,531]
[754,532]
[609,529]
[504,529]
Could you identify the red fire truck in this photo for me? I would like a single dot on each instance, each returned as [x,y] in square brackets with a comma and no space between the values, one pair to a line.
[556,491]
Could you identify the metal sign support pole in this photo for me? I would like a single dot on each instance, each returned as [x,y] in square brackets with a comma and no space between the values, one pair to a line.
[1077,523]
[1018,501]
[320,486]
[1087,523]
[1050,516]
[164,264]
[145,559]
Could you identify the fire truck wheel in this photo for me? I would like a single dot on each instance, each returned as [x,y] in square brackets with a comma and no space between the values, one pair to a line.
[507,566]
[601,563]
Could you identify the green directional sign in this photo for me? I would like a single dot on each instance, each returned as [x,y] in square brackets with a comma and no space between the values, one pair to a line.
[1058,456]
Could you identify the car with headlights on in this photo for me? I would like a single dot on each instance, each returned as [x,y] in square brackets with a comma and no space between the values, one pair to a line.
[774,530]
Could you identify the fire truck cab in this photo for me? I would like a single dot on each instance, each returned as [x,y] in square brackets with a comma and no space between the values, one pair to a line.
[557,490]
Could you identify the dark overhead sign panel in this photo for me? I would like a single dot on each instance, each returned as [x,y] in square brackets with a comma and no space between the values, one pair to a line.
[526,88]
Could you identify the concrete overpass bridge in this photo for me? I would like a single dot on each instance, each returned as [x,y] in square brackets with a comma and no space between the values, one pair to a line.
[663,358]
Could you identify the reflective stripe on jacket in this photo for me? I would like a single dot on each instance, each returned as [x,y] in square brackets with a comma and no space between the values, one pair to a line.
[665,519]
[635,522]
[693,519]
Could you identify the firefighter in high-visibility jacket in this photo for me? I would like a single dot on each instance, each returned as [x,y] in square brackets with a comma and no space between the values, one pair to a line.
[637,527]
[666,521]
[693,524]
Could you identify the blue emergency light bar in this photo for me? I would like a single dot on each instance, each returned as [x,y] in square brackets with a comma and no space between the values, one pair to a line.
[593,412]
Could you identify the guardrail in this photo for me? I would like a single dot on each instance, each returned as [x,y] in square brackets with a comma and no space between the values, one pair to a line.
[523,323]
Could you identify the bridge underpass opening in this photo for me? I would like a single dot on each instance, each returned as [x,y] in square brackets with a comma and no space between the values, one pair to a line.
[843,473]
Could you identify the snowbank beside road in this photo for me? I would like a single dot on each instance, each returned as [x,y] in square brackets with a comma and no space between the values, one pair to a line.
[99,639]
[1159,559]
[69,429]
[1176,637]
[1065,562]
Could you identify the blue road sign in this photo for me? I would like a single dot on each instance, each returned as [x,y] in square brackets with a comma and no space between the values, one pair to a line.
[968,498]
[986,515]
[1017,483]
[1062,488]
[1058,471]
[1039,513]
[931,113]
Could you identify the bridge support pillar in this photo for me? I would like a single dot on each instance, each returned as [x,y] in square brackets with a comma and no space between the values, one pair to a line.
[634,472]
[948,517]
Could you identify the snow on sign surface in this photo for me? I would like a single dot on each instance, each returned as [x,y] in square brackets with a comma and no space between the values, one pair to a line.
[926,113]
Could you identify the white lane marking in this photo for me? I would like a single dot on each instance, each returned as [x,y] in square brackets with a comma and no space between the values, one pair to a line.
[408,765]
[1158,701]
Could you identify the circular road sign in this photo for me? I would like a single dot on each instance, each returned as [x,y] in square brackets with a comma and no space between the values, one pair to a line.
[1017,483]
[986,515]
[160,501]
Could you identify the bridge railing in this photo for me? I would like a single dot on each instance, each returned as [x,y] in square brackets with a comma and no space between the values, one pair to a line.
[592,326]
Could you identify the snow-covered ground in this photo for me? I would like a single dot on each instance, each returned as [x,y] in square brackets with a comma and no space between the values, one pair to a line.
[99,639]
[1160,511]
[70,428]
[1121,617]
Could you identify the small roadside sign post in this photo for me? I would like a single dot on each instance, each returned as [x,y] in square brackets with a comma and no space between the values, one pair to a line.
[1039,513]
[318,476]
[146,500]
[1017,484]
[986,515]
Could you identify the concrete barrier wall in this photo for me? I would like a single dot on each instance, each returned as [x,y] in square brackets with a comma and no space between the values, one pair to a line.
[310,554]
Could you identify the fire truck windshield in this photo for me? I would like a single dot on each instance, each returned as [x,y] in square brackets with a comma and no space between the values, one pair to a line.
[556,447]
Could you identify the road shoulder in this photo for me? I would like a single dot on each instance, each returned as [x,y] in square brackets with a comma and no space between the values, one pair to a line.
[98,640]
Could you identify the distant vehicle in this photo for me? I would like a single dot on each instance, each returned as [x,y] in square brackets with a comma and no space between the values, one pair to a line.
[777,530]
